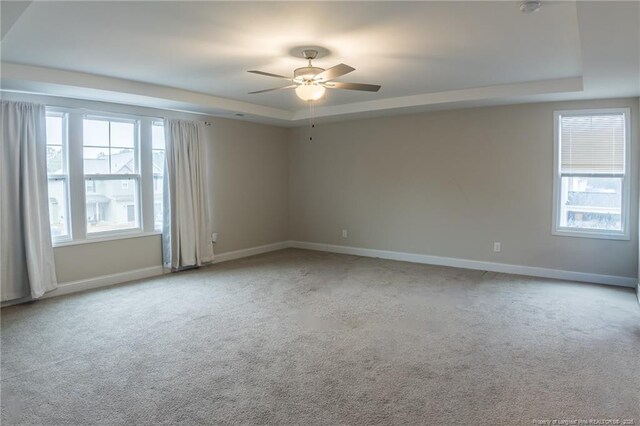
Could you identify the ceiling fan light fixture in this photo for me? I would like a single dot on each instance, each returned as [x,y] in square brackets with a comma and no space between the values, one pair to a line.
[310,91]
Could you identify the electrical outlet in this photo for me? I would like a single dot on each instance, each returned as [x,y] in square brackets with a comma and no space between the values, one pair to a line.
[497,247]
[344,233]
[214,237]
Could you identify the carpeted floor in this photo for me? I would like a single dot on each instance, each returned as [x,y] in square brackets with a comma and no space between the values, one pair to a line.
[302,337]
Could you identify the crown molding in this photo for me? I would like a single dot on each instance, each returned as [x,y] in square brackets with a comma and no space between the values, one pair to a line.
[71,84]
[459,97]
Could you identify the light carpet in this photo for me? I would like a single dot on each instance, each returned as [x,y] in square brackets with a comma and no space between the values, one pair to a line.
[302,337]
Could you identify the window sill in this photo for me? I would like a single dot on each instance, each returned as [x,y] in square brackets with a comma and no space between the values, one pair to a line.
[102,239]
[587,234]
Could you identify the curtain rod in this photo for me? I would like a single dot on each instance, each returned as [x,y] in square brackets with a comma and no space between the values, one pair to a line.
[93,111]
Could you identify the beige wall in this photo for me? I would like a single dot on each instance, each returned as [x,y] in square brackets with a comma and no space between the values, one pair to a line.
[249,176]
[448,184]
[90,260]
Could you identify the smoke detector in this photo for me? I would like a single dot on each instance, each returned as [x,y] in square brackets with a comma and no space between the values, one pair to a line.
[530,6]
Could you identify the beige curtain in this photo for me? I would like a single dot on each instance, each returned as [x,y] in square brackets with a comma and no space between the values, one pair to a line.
[186,242]
[26,254]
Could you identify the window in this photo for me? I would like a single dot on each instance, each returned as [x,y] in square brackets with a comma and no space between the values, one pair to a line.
[157,142]
[105,174]
[58,175]
[111,171]
[591,179]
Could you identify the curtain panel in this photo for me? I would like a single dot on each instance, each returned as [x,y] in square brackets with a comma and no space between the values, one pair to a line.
[186,242]
[26,262]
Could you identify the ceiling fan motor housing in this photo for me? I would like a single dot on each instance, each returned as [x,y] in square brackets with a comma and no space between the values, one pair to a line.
[311,82]
[306,73]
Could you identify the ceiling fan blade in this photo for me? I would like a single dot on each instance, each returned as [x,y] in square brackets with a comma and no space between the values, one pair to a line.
[352,86]
[271,90]
[268,74]
[334,72]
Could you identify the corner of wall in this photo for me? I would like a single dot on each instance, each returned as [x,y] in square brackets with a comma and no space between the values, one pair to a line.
[290,139]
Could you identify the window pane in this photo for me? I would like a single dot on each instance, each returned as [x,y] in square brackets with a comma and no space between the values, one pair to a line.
[158,188]
[157,135]
[122,161]
[112,205]
[57,165]
[157,142]
[55,160]
[158,162]
[96,133]
[591,203]
[158,212]
[58,206]
[96,161]
[54,130]
[122,134]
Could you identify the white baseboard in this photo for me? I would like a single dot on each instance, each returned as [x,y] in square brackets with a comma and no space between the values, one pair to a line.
[123,277]
[119,278]
[137,274]
[104,281]
[251,251]
[471,264]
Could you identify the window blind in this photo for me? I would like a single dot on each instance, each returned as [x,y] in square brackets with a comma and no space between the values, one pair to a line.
[592,144]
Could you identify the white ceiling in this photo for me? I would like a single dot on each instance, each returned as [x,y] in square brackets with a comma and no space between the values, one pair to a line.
[194,55]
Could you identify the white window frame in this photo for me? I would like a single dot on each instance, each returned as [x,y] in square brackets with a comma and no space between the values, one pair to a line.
[136,177]
[76,186]
[624,234]
[65,176]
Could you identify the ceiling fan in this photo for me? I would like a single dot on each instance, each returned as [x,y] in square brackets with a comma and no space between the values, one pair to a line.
[310,82]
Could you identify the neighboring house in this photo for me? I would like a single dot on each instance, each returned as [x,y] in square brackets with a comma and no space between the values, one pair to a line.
[109,203]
